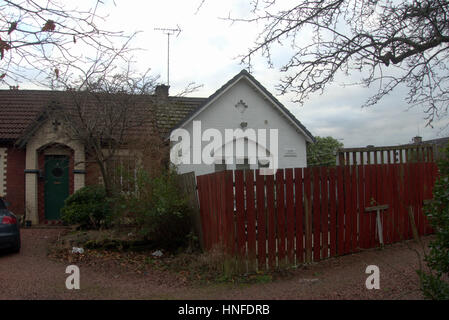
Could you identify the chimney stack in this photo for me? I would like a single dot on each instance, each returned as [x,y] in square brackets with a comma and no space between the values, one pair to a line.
[162,92]
[417,140]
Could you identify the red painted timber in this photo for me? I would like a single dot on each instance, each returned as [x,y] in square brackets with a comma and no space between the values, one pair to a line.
[222,193]
[389,172]
[406,202]
[416,194]
[395,194]
[271,222]
[368,198]
[230,213]
[387,191]
[333,212]
[308,211]
[261,221]
[402,199]
[361,205]
[216,207]
[251,216]
[299,212]
[340,212]
[375,202]
[290,215]
[348,209]
[324,212]
[240,206]
[316,215]
[355,242]
[379,199]
[421,185]
[280,207]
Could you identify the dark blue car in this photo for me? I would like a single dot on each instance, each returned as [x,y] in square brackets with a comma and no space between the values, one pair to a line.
[9,229]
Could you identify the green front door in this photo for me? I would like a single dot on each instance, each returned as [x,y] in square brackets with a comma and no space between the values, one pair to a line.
[56,185]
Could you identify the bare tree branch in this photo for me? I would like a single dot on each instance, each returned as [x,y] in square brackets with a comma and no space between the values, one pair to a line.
[392,42]
[37,35]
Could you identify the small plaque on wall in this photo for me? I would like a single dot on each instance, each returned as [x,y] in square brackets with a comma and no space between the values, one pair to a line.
[290,152]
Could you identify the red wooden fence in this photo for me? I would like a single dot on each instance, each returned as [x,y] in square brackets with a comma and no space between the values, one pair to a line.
[308,214]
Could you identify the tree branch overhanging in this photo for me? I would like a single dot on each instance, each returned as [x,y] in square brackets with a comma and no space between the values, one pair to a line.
[384,39]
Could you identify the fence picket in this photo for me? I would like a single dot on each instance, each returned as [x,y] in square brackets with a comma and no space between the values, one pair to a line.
[308,213]
[271,223]
[340,212]
[290,215]
[361,205]
[347,211]
[333,212]
[407,196]
[240,218]
[316,215]
[299,212]
[388,214]
[354,208]
[280,210]
[324,212]
[261,221]
[312,213]
[250,219]
[395,194]
[230,213]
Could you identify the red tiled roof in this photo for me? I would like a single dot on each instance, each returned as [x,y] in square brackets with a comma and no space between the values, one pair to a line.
[20,108]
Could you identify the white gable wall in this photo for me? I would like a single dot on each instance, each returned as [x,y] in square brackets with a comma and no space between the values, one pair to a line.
[222,114]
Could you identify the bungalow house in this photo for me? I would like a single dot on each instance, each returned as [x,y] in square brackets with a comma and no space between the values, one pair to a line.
[39,168]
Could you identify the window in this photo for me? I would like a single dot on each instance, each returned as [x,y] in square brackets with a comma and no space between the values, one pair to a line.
[123,170]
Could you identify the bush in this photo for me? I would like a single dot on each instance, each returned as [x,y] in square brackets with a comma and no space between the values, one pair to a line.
[434,284]
[89,207]
[161,210]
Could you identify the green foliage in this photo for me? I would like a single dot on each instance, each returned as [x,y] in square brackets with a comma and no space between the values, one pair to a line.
[89,207]
[434,284]
[160,210]
[323,151]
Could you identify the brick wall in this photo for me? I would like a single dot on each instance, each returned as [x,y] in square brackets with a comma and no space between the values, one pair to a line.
[15,180]
[93,174]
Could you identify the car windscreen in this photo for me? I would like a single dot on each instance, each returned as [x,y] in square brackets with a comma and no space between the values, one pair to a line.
[2,205]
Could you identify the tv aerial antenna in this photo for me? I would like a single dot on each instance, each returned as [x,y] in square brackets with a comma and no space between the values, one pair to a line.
[169,32]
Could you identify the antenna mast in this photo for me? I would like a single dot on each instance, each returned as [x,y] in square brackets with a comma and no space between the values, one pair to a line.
[169,32]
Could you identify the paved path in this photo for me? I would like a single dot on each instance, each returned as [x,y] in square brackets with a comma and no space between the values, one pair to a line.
[31,275]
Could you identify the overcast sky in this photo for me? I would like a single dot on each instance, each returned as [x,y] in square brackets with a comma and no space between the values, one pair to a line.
[206,52]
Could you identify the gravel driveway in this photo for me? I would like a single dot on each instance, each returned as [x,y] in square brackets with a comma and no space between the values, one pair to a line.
[32,275]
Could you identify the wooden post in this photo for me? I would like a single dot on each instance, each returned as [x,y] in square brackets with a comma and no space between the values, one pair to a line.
[378,209]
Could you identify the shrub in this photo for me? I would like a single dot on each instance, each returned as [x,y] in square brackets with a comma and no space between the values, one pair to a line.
[434,284]
[89,207]
[161,210]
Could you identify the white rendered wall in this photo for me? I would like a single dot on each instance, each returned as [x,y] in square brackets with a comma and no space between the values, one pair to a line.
[260,114]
